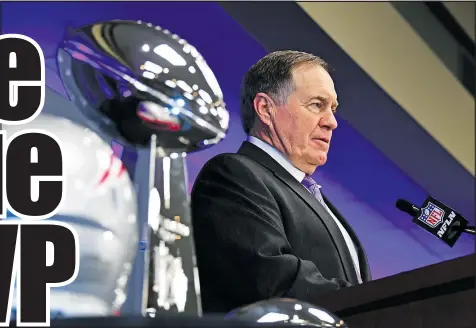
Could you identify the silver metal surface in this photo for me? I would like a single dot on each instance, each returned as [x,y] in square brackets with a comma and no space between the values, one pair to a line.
[147,87]
[142,80]
[287,312]
[138,291]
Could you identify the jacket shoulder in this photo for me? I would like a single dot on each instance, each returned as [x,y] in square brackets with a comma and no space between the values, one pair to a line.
[231,160]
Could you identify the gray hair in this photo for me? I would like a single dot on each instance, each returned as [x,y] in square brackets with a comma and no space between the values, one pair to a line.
[272,75]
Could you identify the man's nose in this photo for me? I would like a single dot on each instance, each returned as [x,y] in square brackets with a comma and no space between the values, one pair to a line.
[329,121]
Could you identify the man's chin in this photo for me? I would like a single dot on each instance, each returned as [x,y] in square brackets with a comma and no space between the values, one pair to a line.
[320,159]
[314,162]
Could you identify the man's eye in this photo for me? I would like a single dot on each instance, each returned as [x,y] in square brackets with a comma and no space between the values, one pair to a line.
[316,105]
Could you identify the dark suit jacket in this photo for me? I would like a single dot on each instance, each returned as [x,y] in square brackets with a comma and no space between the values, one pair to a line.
[259,234]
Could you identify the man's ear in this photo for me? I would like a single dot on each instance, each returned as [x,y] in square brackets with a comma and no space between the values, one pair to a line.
[264,107]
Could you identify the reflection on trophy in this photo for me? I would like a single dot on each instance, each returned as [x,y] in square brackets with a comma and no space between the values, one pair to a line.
[148,88]
[99,204]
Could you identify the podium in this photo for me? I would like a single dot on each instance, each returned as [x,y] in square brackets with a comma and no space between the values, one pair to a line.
[440,295]
[437,296]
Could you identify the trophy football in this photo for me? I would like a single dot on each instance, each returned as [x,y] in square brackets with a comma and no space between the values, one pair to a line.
[147,88]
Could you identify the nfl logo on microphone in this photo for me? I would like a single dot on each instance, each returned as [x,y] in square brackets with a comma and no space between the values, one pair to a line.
[431,215]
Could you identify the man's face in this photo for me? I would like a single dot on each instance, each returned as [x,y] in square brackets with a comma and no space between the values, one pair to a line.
[304,125]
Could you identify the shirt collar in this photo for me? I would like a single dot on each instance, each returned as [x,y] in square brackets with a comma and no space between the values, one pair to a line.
[278,157]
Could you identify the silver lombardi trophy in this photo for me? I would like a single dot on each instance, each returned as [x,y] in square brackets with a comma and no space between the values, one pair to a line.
[148,88]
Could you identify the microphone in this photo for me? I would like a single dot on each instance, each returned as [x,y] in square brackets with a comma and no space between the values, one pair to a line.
[407,207]
[437,218]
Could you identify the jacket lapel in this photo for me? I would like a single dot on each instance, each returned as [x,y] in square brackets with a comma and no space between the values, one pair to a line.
[363,261]
[264,159]
[329,223]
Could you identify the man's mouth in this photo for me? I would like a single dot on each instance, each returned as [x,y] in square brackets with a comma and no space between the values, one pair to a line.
[322,139]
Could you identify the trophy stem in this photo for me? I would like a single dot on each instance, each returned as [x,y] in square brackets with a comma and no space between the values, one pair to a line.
[164,275]
[175,255]
[138,285]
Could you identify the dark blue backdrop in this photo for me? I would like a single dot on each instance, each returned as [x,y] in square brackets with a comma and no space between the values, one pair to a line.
[362,182]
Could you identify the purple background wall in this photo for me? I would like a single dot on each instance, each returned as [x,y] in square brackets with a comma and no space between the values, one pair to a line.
[358,178]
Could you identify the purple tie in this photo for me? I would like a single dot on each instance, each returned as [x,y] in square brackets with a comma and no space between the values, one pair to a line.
[313,188]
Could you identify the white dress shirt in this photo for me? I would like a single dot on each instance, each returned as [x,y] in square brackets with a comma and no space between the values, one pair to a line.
[299,175]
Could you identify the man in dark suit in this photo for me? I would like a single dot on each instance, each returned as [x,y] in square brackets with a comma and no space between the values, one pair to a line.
[262,227]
